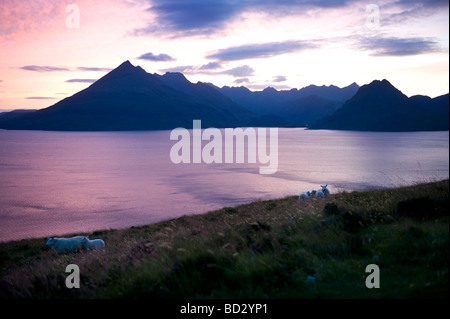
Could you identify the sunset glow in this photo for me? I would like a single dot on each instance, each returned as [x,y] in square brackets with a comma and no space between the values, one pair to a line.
[47,54]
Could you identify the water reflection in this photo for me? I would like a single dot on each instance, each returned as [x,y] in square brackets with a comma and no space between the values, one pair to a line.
[58,182]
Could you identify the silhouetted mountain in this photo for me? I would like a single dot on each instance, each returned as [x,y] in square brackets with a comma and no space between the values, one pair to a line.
[379,106]
[128,98]
[308,110]
[301,107]
[10,115]
[332,92]
[208,93]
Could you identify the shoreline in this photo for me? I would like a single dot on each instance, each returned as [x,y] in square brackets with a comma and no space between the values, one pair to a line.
[144,224]
[282,248]
[87,232]
[74,183]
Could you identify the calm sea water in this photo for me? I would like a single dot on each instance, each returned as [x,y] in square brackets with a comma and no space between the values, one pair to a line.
[54,183]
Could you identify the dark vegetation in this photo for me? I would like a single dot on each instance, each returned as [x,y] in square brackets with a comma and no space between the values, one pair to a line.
[285,248]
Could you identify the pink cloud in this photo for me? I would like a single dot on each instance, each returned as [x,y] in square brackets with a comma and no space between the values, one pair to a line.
[18,16]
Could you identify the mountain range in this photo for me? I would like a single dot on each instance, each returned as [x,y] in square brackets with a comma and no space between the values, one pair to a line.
[129,98]
[379,106]
[300,107]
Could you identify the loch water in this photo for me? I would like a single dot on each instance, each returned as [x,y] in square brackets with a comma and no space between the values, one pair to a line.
[55,183]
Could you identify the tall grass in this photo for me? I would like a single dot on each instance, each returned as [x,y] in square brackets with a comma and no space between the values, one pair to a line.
[285,248]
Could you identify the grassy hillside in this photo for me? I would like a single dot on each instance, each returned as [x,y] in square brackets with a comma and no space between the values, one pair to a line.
[284,248]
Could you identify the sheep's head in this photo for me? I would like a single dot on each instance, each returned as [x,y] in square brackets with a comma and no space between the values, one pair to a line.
[50,241]
[85,240]
[324,186]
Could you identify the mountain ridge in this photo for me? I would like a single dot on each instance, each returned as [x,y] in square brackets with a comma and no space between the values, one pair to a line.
[129,98]
[379,106]
[295,105]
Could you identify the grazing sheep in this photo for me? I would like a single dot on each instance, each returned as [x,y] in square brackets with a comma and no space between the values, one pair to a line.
[65,245]
[93,244]
[304,195]
[320,194]
[325,190]
[313,192]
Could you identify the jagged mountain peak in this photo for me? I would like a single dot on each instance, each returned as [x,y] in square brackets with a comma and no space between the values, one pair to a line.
[382,84]
[127,67]
[126,64]
[127,77]
[270,89]
[175,79]
[379,106]
[175,75]
[129,98]
[379,90]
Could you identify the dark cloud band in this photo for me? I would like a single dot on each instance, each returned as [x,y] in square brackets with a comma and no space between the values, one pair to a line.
[93,69]
[240,71]
[81,81]
[208,16]
[38,68]
[261,50]
[205,17]
[156,58]
[398,46]
[46,68]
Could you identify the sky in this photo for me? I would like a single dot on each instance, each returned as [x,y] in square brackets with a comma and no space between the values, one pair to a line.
[50,50]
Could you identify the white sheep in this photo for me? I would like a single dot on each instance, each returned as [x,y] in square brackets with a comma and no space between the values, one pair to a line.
[320,194]
[65,245]
[92,244]
[304,195]
[325,190]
